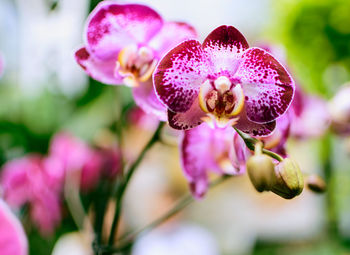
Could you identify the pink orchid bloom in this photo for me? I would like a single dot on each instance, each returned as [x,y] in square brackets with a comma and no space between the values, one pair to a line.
[310,117]
[339,108]
[225,81]
[204,149]
[13,240]
[26,180]
[123,44]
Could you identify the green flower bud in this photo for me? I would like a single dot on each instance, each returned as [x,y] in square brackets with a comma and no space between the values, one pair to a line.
[288,181]
[315,183]
[261,173]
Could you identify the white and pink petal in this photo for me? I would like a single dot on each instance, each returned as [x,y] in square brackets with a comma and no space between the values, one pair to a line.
[102,71]
[267,86]
[111,26]
[223,45]
[179,75]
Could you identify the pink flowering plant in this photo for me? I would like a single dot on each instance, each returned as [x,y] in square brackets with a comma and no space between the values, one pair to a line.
[231,108]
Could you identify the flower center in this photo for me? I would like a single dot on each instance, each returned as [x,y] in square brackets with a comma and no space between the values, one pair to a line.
[136,64]
[221,98]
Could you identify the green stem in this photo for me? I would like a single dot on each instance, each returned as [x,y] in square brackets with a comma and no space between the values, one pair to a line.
[129,238]
[251,142]
[332,217]
[124,184]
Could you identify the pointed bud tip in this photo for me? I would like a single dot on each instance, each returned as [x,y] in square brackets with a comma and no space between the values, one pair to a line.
[289,181]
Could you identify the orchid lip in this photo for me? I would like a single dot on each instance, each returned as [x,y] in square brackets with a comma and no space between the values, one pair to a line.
[137,64]
[221,99]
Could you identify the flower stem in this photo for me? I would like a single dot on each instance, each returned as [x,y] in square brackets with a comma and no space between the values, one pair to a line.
[331,207]
[251,142]
[122,188]
[128,239]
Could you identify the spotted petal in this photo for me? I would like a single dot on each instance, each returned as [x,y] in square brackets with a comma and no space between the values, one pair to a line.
[102,71]
[267,86]
[145,97]
[179,75]
[171,34]
[13,240]
[223,44]
[186,120]
[110,27]
[253,128]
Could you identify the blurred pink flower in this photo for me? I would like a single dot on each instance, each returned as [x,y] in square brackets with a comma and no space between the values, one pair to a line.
[123,44]
[310,117]
[75,155]
[27,181]
[13,240]
[204,149]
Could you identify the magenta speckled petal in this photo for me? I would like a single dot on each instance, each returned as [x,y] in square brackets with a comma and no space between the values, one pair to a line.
[102,71]
[146,98]
[172,33]
[253,128]
[111,27]
[180,73]
[223,45]
[186,120]
[267,86]
[13,240]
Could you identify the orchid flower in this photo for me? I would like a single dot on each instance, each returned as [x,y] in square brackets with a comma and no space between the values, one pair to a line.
[123,44]
[27,180]
[223,81]
[13,240]
[204,149]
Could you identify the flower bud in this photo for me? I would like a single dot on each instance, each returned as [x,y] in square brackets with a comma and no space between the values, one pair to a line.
[288,181]
[261,172]
[316,184]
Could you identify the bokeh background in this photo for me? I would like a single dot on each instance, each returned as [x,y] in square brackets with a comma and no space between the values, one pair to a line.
[44,91]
